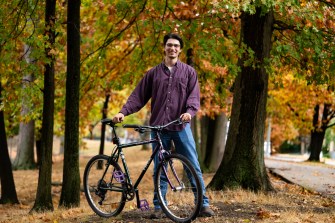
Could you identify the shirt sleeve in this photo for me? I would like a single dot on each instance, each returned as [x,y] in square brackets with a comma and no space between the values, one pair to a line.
[193,99]
[139,97]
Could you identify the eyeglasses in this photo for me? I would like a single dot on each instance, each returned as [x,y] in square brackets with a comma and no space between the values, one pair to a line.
[170,45]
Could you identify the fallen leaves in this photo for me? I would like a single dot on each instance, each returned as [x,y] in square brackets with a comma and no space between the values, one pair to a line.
[262,214]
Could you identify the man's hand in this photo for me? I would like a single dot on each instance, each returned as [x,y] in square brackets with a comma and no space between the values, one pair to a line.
[186,117]
[118,118]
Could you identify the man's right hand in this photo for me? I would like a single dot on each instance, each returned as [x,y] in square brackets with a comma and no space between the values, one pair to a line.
[118,118]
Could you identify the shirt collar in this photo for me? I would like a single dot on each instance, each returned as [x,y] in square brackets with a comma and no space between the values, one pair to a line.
[176,65]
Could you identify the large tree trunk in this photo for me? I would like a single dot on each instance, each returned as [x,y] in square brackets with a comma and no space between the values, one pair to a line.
[8,192]
[25,149]
[70,196]
[243,162]
[43,199]
[318,132]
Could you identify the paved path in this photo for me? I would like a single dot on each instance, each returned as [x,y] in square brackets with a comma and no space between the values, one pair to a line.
[315,177]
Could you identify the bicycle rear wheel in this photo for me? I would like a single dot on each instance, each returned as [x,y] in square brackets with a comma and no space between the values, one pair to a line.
[178,188]
[104,192]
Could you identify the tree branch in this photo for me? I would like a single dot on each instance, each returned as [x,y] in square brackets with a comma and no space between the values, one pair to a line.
[330,4]
[111,39]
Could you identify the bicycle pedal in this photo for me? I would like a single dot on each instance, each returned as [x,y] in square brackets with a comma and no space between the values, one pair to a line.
[119,176]
[144,205]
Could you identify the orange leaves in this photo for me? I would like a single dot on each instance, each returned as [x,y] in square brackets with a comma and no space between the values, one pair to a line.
[186,10]
[291,105]
[220,71]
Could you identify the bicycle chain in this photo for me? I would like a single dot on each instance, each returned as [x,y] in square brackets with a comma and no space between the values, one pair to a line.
[130,192]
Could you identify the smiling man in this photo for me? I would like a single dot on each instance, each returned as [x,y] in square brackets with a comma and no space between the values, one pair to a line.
[173,89]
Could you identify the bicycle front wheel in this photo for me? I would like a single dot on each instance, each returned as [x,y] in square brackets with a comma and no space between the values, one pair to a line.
[178,188]
[104,186]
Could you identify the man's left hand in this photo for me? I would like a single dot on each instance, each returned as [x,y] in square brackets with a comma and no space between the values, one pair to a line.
[186,117]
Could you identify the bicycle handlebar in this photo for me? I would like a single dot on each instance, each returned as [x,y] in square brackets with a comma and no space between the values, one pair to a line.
[141,128]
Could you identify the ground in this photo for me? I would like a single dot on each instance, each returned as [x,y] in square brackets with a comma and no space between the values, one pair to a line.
[290,203]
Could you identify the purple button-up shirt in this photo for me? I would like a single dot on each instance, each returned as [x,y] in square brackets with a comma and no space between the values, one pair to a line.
[172,94]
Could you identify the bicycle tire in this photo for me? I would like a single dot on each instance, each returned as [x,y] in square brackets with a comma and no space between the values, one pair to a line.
[109,198]
[177,203]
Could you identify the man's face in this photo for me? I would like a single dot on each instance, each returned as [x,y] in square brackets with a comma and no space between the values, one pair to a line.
[172,48]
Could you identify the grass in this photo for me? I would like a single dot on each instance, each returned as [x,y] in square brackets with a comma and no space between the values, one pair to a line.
[290,203]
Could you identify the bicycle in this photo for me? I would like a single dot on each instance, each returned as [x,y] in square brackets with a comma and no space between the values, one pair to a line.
[176,183]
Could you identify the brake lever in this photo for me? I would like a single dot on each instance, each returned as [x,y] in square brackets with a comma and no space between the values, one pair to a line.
[180,122]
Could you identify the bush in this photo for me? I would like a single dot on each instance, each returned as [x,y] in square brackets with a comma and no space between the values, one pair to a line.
[289,147]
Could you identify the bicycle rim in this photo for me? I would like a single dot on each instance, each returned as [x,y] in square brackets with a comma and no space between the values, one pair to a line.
[182,201]
[104,195]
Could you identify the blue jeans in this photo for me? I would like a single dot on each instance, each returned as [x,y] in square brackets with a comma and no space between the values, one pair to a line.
[185,145]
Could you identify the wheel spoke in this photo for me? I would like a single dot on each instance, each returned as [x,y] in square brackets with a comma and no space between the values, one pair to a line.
[106,198]
[178,189]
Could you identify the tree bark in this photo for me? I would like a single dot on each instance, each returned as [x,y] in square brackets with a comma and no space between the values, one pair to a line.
[215,143]
[103,126]
[243,162]
[43,201]
[70,196]
[318,132]
[25,149]
[194,121]
[8,193]
[146,135]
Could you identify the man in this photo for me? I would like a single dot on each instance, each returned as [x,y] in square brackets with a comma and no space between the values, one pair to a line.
[174,91]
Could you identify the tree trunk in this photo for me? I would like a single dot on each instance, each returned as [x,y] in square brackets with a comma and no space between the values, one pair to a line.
[8,192]
[70,196]
[103,126]
[25,149]
[146,135]
[243,162]
[216,142]
[318,132]
[43,201]
[204,135]
[316,145]
[194,121]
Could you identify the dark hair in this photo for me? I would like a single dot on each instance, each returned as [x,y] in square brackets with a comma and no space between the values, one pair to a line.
[174,36]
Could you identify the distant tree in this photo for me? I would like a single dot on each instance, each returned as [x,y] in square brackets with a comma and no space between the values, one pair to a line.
[70,196]
[8,192]
[213,141]
[320,125]
[25,150]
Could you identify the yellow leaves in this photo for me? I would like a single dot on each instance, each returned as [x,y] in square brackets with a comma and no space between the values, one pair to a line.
[292,104]
[53,52]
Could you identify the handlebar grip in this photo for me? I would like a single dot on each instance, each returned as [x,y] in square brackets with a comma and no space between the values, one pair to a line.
[130,126]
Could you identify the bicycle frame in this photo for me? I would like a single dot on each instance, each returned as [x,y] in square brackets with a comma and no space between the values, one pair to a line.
[118,152]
